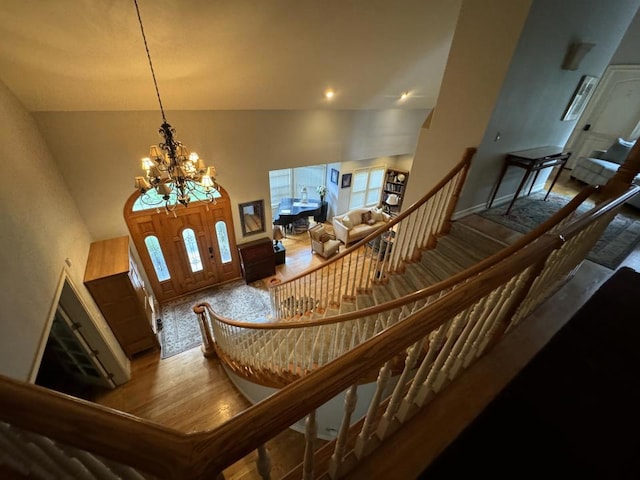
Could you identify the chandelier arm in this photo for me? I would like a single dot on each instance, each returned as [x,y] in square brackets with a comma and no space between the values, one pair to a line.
[153,73]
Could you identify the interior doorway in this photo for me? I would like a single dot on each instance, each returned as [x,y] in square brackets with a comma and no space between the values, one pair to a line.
[186,250]
[72,361]
[614,111]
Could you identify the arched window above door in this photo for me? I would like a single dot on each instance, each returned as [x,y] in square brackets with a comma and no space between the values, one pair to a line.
[153,200]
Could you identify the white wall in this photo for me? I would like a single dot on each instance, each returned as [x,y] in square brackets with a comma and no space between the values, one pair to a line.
[41,227]
[536,90]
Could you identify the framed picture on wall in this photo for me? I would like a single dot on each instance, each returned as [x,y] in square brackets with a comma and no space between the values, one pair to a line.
[580,97]
[334,176]
[252,217]
[346,180]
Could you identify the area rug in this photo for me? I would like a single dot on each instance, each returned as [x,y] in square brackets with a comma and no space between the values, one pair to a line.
[236,300]
[619,239]
[572,412]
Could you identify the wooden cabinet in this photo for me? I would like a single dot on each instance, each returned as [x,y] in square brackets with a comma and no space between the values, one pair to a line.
[395,184]
[257,259]
[113,280]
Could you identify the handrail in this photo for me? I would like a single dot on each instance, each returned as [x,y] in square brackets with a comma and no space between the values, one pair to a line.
[498,257]
[276,353]
[168,454]
[279,411]
[341,277]
[465,162]
[125,438]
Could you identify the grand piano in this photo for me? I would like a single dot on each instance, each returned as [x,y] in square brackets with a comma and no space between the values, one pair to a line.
[292,209]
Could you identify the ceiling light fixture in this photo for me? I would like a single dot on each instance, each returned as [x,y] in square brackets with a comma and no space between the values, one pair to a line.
[172,172]
[404,95]
[329,94]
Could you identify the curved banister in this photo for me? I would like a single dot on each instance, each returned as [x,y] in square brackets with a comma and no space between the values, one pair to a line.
[101,430]
[498,257]
[464,163]
[170,454]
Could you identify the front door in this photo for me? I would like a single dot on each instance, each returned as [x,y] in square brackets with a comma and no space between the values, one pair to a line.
[185,251]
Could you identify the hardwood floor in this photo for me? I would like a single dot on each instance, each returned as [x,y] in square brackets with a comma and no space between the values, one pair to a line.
[190,393]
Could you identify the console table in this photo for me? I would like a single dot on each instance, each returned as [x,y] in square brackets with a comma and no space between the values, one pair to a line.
[532,160]
[257,259]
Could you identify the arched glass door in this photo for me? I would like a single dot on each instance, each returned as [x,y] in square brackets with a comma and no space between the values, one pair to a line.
[190,249]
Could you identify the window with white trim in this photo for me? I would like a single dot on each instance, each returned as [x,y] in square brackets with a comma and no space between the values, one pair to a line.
[288,182]
[366,187]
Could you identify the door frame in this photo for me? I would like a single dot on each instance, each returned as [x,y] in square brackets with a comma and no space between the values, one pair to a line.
[591,109]
[226,272]
[96,331]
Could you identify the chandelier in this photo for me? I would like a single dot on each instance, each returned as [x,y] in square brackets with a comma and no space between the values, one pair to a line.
[173,176]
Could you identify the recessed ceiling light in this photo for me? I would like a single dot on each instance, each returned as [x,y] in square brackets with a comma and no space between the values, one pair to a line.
[329,94]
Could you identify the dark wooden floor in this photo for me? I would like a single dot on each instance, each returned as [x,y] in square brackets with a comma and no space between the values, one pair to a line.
[191,393]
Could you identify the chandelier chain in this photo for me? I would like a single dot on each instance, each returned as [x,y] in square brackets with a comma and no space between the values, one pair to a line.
[153,73]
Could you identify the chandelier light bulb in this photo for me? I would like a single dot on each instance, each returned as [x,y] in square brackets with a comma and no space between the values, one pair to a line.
[329,94]
[175,174]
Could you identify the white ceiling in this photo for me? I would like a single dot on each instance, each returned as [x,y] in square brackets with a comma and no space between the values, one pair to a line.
[88,55]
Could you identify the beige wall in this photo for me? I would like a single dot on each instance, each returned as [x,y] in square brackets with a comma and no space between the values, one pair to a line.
[99,153]
[486,35]
[41,227]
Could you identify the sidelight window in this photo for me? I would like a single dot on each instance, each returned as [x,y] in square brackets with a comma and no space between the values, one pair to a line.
[157,258]
[223,241]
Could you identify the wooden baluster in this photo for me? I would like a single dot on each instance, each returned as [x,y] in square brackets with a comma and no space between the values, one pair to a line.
[408,406]
[310,435]
[264,463]
[424,218]
[478,324]
[387,422]
[446,373]
[428,233]
[427,389]
[364,443]
[350,401]
[403,241]
[25,456]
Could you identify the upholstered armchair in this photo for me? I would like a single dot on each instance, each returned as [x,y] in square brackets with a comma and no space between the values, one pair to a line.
[323,242]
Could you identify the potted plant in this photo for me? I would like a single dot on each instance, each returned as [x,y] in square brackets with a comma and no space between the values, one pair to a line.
[322,191]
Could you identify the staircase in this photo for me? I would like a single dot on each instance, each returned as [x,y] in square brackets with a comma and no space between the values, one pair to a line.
[411,317]
[276,358]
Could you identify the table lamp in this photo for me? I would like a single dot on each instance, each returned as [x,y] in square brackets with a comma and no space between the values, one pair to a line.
[277,235]
[392,200]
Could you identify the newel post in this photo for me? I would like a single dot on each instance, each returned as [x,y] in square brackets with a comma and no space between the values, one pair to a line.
[208,344]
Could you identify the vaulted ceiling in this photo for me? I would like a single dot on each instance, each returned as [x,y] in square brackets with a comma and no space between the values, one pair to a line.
[88,55]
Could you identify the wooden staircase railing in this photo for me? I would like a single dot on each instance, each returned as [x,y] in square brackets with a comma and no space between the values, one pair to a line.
[342,276]
[276,353]
[440,341]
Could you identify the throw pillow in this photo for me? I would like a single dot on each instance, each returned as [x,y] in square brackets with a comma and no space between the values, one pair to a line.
[376,214]
[371,221]
[325,237]
[346,221]
[618,152]
[366,216]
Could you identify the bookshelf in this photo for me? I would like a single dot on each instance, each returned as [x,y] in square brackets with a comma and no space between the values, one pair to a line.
[395,183]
